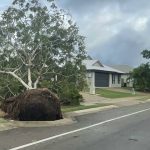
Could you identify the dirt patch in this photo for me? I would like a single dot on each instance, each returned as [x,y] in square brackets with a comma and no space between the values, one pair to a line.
[33,105]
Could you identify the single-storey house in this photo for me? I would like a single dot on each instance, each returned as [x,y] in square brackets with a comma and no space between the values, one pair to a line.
[125,78]
[99,75]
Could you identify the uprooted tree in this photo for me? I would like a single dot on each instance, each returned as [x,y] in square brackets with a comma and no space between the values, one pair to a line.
[38,43]
[40,47]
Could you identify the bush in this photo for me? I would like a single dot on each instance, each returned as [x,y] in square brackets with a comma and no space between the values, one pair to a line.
[141,76]
[9,87]
[69,95]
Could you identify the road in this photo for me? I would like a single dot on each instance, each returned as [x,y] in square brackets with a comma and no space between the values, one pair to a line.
[126,128]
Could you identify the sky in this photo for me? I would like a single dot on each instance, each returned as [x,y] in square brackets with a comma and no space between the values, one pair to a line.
[116,31]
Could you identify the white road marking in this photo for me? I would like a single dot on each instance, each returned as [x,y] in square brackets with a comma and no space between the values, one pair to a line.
[77,130]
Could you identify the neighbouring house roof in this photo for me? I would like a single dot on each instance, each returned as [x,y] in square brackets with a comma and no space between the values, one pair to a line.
[123,68]
[97,65]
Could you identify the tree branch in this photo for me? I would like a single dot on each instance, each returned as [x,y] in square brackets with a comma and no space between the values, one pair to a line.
[10,90]
[17,77]
[36,82]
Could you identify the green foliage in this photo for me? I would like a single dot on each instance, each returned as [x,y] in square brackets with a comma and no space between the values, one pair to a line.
[112,94]
[9,87]
[43,39]
[69,94]
[68,84]
[146,54]
[141,76]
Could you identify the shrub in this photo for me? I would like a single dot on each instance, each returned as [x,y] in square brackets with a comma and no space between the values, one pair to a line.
[69,95]
[9,87]
[141,76]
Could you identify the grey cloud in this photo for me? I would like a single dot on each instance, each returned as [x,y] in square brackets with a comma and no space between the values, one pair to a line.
[129,6]
[116,30]
[124,48]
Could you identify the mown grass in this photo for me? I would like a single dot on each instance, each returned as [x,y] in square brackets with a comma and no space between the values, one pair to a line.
[81,107]
[2,120]
[113,94]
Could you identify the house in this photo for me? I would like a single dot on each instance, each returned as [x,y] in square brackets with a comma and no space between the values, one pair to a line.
[125,78]
[99,75]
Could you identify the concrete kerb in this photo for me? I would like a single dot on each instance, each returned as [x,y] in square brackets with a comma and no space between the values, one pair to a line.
[11,124]
[69,118]
[89,111]
[65,121]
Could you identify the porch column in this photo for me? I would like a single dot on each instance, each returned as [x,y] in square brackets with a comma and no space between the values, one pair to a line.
[92,86]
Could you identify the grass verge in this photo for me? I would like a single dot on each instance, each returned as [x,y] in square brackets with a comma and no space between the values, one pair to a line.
[113,94]
[2,120]
[81,107]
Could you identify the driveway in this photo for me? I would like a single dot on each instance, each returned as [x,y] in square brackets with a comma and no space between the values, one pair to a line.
[125,128]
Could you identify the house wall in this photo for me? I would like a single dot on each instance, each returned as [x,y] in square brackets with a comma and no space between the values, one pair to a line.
[124,78]
[91,81]
[116,84]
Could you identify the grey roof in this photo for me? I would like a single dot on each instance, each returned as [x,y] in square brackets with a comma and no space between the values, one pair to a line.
[123,68]
[90,65]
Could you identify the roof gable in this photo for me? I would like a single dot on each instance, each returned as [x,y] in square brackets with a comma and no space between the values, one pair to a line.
[97,66]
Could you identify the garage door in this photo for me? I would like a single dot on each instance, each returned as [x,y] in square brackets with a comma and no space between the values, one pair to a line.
[101,79]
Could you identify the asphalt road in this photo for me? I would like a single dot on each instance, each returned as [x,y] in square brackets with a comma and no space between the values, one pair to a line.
[126,128]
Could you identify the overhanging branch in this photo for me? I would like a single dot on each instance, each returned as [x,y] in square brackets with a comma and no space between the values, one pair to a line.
[17,77]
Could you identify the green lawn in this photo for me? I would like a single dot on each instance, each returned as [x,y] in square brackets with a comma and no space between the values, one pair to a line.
[2,120]
[113,94]
[81,107]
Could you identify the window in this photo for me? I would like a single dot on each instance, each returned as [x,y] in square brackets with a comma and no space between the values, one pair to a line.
[119,78]
[113,78]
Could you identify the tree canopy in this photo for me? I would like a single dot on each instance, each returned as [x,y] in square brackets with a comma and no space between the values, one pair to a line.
[39,41]
[146,54]
[141,74]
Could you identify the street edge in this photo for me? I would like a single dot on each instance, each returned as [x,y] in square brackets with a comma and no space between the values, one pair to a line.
[69,118]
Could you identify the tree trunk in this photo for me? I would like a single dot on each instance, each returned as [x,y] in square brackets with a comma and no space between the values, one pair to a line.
[36,82]
[29,74]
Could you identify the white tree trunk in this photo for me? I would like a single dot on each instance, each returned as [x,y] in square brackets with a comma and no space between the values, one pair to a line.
[29,78]
[29,74]
[36,82]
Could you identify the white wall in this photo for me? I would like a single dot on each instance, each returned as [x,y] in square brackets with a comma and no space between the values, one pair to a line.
[116,84]
[125,77]
[91,81]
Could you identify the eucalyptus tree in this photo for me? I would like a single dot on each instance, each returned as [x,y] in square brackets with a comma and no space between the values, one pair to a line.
[146,54]
[38,38]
